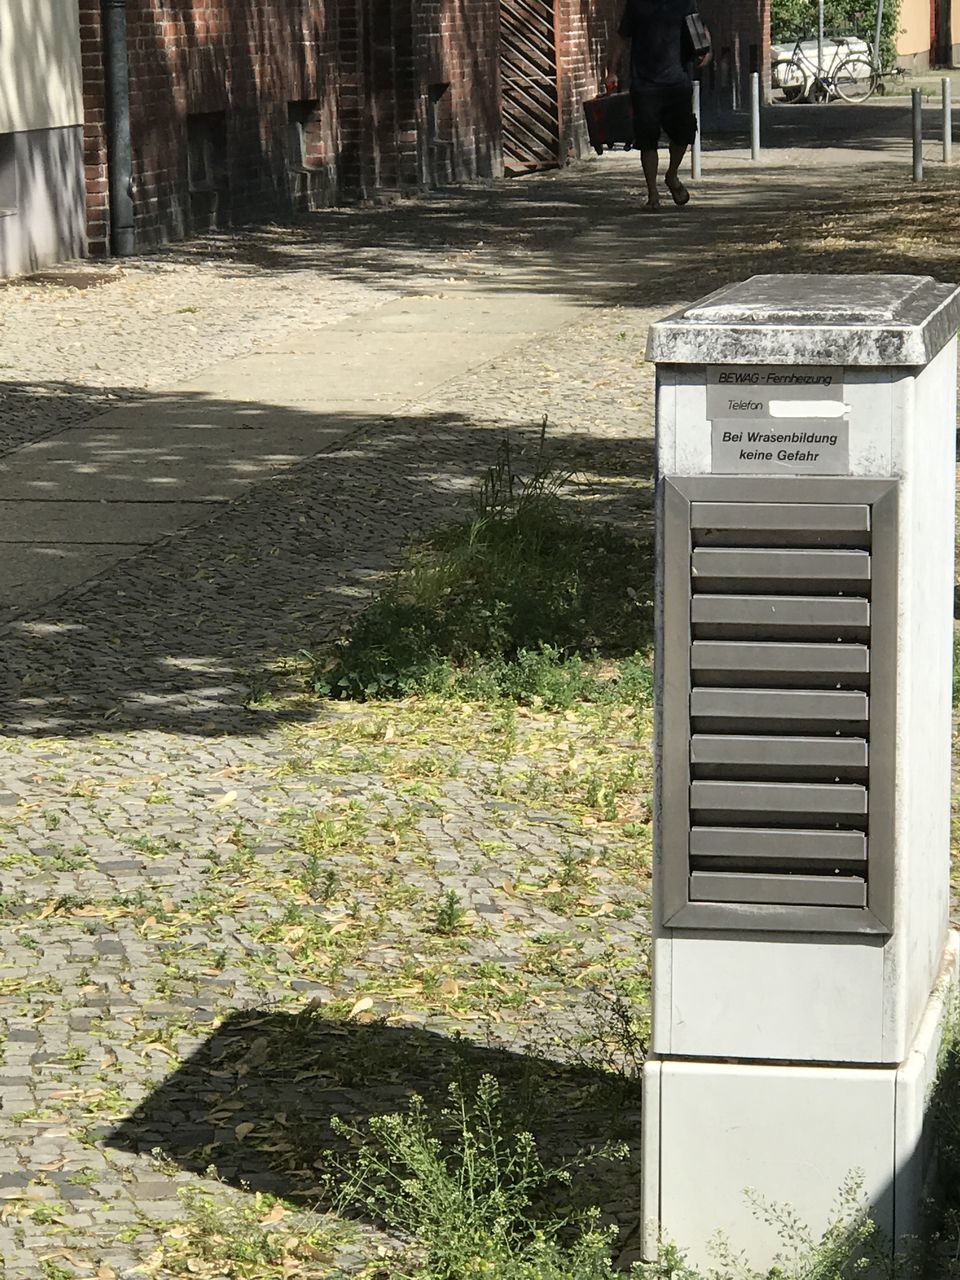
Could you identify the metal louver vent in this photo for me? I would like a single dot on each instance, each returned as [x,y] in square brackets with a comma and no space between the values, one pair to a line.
[778,678]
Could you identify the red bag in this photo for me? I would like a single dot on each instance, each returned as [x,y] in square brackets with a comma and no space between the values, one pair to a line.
[610,121]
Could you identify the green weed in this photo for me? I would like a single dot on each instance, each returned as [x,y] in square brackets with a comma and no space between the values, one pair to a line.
[53,1271]
[514,605]
[473,1195]
[450,915]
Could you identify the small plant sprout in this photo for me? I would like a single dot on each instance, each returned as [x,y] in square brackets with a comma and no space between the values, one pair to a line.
[450,915]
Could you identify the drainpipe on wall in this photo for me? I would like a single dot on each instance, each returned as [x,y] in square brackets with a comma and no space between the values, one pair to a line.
[119,143]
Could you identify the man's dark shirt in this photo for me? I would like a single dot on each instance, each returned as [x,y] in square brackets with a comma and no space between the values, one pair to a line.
[655,28]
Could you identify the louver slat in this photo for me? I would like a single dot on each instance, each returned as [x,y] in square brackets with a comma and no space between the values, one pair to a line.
[807,891]
[746,848]
[763,617]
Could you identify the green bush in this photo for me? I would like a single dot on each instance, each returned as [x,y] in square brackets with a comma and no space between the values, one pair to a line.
[792,18]
[517,603]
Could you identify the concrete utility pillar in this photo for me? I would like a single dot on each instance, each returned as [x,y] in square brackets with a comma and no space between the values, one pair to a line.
[805,470]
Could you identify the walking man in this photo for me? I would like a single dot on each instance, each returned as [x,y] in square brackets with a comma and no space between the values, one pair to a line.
[661,86]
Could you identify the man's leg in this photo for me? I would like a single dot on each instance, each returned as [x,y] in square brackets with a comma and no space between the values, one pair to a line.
[650,160]
[681,128]
[677,151]
[646,123]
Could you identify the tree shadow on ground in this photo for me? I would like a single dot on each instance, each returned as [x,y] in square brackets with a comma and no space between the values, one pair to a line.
[558,232]
[879,126]
[173,635]
[256,1100]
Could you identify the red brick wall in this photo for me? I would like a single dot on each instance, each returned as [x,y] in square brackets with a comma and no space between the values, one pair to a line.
[741,42]
[94,135]
[246,59]
[585,41]
[394,94]
[459,43]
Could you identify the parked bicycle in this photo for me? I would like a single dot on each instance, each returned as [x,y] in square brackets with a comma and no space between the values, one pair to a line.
[848,71]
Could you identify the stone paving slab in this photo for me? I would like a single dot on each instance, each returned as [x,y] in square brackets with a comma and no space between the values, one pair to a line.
[333,369]
[177,465]
[30,575]
[175,410]
[121,523]
[459,314]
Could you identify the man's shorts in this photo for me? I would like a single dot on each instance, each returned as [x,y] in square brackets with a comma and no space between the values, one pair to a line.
[663,108]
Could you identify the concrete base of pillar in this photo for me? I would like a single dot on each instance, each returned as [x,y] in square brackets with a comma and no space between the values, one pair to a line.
[792,1135]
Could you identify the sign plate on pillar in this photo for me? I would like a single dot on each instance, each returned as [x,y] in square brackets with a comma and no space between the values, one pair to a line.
[806,446]
[778,421]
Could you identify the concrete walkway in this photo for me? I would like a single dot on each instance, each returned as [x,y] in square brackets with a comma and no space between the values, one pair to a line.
[221,910]
[73,505]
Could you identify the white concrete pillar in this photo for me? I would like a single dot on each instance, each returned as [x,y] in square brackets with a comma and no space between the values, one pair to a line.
[805,471]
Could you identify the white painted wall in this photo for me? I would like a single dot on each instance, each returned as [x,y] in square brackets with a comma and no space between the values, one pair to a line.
[40,82]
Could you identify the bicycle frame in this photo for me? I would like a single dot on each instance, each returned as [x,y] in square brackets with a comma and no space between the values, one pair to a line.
[814,77]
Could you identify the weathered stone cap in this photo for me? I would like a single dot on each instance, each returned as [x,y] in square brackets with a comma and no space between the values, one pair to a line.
[807,319]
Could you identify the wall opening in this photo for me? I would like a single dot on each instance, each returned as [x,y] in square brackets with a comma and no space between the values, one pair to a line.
[207,169]
[530,89]
[439,134]
[301,115]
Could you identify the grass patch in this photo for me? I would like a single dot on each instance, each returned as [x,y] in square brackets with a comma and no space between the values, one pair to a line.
[527,602]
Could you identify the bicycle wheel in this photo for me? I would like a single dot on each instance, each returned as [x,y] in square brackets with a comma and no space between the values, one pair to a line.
[856,78]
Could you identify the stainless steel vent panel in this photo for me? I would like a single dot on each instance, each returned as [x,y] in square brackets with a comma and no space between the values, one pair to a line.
[778,729]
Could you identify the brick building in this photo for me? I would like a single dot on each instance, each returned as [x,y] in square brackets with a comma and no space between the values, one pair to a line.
[244,107]
[741,42]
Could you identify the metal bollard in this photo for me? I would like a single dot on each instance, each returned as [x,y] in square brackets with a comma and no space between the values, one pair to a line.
[917,98]
[947,120]
[695,150]
[755,116]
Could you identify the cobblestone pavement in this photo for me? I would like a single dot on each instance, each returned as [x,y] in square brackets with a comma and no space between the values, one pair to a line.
[225,911]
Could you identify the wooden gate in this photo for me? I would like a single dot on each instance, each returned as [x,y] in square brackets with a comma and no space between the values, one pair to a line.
[528,69]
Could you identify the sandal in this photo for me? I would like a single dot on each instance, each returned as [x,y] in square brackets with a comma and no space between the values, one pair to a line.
[681,195]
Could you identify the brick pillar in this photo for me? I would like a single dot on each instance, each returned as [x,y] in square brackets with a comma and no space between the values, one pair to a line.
[94,129]
[586,32]
[354,146]
[410,88]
